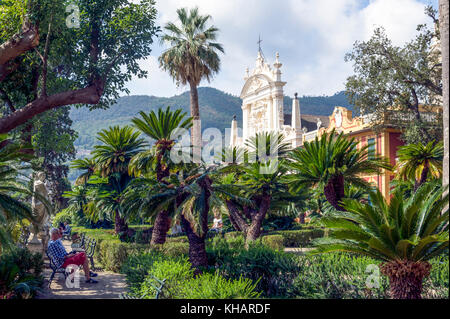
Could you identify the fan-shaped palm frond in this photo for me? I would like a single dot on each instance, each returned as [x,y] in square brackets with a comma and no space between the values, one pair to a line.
[193,53]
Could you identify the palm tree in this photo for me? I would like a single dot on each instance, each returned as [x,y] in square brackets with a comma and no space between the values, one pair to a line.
[13,206]
[330,162]
[77,200]
[262,183]
[417,162]
[162,127]
[192,56]
[105,197]
[120,145]
[187,195]
[404,234]
[87,166]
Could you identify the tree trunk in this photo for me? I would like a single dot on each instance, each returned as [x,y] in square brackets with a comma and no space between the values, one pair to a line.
[119,224]
[196,138]
[444,29]
[254,230]
[423,176]
[197,247]
[406,277]
[160,228]
[335,191]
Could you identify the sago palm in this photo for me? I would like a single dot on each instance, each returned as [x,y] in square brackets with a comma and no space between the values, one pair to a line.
[120,144]
[164,127]
[87,166]
[187,196]
[331,161]
[13,206]
[418,162]
[192,56]
[403,234]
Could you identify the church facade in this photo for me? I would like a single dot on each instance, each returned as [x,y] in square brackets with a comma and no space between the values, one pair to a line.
[262,107]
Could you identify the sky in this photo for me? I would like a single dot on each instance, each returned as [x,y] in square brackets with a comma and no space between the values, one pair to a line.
[311,36]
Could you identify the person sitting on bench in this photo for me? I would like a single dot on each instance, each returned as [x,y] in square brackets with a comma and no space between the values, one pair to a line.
[62,259]
[67,229]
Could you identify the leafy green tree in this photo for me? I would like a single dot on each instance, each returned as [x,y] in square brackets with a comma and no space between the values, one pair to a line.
[53,143]
[162,128]
[45,64]
[331,161]
[192,56]
[403,233]
[418,162]
[399,85]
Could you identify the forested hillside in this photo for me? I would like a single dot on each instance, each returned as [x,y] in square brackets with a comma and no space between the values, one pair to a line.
[217,109]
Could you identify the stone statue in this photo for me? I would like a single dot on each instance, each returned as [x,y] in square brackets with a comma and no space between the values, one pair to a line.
[319,123]
[40,211]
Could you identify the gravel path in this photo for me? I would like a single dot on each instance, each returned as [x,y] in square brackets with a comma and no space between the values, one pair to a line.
[110,285]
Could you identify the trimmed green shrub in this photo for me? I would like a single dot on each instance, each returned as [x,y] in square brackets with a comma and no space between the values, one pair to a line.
[275,270]
[233,234]
[177,239]
[176,272]
[276,242]
[214,286]
[343,276]
[300,238]
[111,254]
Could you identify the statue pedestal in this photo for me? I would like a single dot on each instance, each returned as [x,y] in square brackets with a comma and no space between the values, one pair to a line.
[35,240]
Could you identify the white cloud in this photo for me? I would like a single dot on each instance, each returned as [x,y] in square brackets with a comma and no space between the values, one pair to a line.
[312,37]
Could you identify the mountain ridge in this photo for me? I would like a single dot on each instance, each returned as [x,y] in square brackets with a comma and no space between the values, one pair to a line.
[217,109]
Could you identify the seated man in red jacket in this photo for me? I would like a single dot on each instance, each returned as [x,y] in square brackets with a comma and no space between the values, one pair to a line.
[62,259]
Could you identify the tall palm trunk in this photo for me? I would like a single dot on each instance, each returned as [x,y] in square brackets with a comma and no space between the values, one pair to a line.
[254,230]
[444,29]
[197,246]
[196,138]
[119,224]
[162,224]
[334,191]
[160,228]
[406,277]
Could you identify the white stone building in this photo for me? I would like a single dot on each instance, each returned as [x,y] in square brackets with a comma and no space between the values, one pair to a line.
[262,107]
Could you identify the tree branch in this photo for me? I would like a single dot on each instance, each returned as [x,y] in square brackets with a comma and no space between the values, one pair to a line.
[88,95]
[19,43]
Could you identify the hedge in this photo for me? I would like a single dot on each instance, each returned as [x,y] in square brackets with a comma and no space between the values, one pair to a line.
[276,242]
[111,253]
[300,238]
[291,238]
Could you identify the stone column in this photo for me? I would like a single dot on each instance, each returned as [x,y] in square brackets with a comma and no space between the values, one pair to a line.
[245,119]
[296,122]
[270,113]
[234,132]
